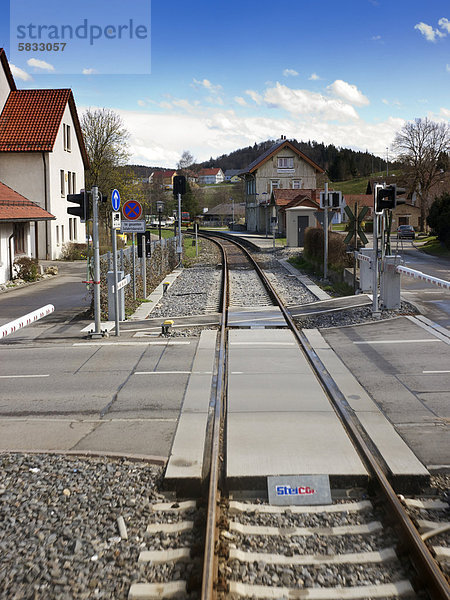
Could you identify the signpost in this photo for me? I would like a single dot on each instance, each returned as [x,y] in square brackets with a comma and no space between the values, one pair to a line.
[115,224]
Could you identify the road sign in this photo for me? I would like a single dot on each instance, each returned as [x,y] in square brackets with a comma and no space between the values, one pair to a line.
[132,210]
[115,200]
[116,220]
[122,283]
[132,226]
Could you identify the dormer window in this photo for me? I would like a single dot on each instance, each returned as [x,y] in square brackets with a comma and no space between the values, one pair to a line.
[67,140]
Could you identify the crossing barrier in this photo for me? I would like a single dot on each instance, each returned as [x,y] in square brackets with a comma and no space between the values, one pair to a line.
[22,322]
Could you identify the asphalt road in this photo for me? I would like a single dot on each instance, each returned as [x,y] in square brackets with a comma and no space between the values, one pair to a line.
[119,397]
[66,292]
[433,302]
[406,370]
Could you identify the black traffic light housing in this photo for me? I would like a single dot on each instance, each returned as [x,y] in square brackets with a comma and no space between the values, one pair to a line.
[386,197]
[179,185]
[335,199]
[82,210]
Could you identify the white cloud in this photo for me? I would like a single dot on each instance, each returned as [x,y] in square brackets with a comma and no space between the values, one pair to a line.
[240,100]
[314,77]
[141,103]
[159,139]
[89,71]
[207,85]
[304,102]
[214,100]
[428,32]
[348,92]
[290,73]
[376,38]
[19,73]
[444,24]
[40,64]
[447,67]
[255,96]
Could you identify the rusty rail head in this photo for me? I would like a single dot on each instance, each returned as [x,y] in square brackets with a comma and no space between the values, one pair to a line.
[210,559]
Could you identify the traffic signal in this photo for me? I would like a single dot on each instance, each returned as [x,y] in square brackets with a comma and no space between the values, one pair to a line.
[335,199]
[386,197]
[82,210]
[179,185]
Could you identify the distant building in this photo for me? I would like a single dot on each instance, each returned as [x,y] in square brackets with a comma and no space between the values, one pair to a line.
[210,176]
[164,178]
[232,175]
[42,158]
[282,167]
[225,213]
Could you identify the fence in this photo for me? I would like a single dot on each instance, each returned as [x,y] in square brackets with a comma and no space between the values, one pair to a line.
[163,260]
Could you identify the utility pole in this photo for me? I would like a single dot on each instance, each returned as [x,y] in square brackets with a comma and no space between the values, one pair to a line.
[180,241]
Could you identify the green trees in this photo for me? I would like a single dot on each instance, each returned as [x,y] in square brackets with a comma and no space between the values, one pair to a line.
[439,218]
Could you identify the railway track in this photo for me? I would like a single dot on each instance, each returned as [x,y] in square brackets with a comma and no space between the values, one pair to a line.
[360,578]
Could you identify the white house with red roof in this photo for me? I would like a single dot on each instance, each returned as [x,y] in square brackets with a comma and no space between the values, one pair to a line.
[210,176]
[43,158]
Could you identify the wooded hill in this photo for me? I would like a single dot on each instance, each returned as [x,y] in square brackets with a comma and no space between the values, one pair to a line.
[341,164]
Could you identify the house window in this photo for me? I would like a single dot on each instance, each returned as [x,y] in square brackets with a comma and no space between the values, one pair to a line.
[69,183]
[296,184]
[75,233]
[274,184]
[57,235]
[19,238]
[67,140]
[286,163]
[62,234]
[70,229]
[62,183]
[74,183]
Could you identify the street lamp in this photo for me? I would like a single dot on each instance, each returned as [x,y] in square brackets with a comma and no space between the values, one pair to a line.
[387,163]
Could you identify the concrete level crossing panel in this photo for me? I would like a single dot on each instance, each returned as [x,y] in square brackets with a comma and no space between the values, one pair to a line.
[280,421]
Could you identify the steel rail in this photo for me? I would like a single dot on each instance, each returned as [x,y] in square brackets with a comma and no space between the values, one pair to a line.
[424,562]
[210,561]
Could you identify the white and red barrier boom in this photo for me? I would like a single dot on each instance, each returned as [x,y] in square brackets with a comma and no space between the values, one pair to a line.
[25,320]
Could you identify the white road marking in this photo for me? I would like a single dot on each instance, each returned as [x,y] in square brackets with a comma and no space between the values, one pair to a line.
[435,371]
[263,344]
[21,376]
[373,342]
[149,343]
[173,372]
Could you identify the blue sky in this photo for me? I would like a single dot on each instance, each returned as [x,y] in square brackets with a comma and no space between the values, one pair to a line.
[227,75]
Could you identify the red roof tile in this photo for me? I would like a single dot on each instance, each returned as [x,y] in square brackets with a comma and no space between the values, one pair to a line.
[15,207]
[204,172]
[31,119]
[291,197]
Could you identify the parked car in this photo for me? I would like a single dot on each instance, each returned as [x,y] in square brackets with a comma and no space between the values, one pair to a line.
[406,231]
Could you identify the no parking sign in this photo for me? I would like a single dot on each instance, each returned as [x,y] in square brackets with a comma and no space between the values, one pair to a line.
[132,210]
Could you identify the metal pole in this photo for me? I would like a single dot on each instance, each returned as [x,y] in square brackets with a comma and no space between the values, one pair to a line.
[375,264]
[325,234]
[133,258]
[196,239]
[159,224]
[97,307]
[180,239]
[144,269]
[116,291]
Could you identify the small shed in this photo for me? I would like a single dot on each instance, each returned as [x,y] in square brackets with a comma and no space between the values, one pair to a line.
[298,218]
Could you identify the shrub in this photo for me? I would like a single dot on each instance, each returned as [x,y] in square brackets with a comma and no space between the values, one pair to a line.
[27,268]
[72,251]
[337,250]
[439,218]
